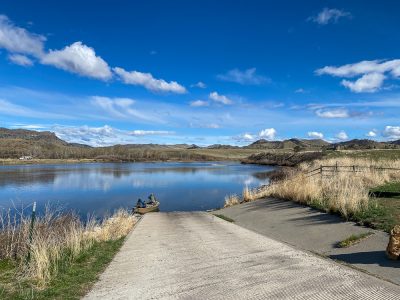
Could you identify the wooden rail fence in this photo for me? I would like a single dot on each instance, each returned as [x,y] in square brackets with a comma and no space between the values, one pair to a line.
[327,171]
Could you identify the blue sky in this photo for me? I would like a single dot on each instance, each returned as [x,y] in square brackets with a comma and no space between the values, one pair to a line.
[204,72]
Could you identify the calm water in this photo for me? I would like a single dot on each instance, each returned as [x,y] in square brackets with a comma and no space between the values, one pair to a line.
[100,188]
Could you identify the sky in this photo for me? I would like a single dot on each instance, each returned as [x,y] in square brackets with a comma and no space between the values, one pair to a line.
[201,72]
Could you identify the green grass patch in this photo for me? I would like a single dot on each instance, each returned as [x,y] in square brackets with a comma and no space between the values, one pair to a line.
[383,214]
[390,189]
[72,282]
[224,218]
[354,239]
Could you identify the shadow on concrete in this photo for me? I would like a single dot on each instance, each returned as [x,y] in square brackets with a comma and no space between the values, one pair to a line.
[308,216]
[371,257]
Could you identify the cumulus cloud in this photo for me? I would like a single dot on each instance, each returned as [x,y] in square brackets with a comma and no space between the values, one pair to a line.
[18,40]
[149,82]
[342,136]
[372,133]
[94,136]
[245,137]
[268,133]
[214,96]
[333,113]
[200,85]
[199,103]
[104,135]
[248,76]
[315,135]
[372,74]
[20,59]
[392,132]
[79,59]
[329,15]
[363,67]
[368,83]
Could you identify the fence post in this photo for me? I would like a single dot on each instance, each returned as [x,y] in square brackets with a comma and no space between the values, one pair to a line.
[320,170]
[354,169]
[31,230]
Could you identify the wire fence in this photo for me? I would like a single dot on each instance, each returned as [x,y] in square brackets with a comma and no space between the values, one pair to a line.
[328,171]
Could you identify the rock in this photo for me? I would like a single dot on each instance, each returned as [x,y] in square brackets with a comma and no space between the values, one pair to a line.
[393,248]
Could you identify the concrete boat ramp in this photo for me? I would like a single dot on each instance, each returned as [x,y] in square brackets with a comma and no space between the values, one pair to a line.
[197,255]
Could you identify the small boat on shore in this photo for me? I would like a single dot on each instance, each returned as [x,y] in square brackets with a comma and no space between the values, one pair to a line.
[149,208]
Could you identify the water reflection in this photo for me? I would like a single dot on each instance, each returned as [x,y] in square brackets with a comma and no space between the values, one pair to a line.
[101,188]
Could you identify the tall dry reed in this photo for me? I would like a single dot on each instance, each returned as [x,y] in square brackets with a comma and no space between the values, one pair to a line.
[231,200]
[343,192]
[56,241]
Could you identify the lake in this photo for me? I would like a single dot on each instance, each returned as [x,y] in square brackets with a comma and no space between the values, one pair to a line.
[100,188]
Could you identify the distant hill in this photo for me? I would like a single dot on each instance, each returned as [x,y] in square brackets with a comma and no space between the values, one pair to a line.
[15,143]
[395,142]
[30,135]
[363,145]
[219,146]
[288,144]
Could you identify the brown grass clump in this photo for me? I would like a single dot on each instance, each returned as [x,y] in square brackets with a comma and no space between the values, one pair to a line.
[231,200]
[57,240]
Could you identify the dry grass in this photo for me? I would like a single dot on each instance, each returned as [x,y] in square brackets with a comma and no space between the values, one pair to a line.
[345,192]
[57,240]
[231,200]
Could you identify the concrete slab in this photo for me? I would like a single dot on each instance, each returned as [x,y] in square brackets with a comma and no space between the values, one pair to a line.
[200,256]
[312,230]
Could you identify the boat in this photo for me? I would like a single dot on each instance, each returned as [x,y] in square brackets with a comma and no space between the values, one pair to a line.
[149,208]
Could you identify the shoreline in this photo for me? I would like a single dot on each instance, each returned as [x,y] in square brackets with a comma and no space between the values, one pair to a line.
[45,161]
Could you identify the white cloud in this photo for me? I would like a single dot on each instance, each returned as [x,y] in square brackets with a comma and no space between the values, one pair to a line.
[121,108]
[392,132]
[149,82]
[29,126]
[200,85]
[19,40]
[329,15]
[248,76]
[151,132]
[220,98]
[20,59]
[79,59]
[199,103]
[372,133]
[247,137]
[117,107]
[334,113]
[315,135]
[368,83]
[268,133]
[342,135]
[300,91]
[362,67]
[372,74]
[94,136]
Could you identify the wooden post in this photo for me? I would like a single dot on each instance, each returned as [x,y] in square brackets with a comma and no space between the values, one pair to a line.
[33,216]
[320,170]
[354,169]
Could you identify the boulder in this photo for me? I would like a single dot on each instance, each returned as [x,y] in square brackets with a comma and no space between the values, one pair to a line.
[393,248]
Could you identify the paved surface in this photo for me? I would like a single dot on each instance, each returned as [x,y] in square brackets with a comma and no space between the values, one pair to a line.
[311,230]
[199,256]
